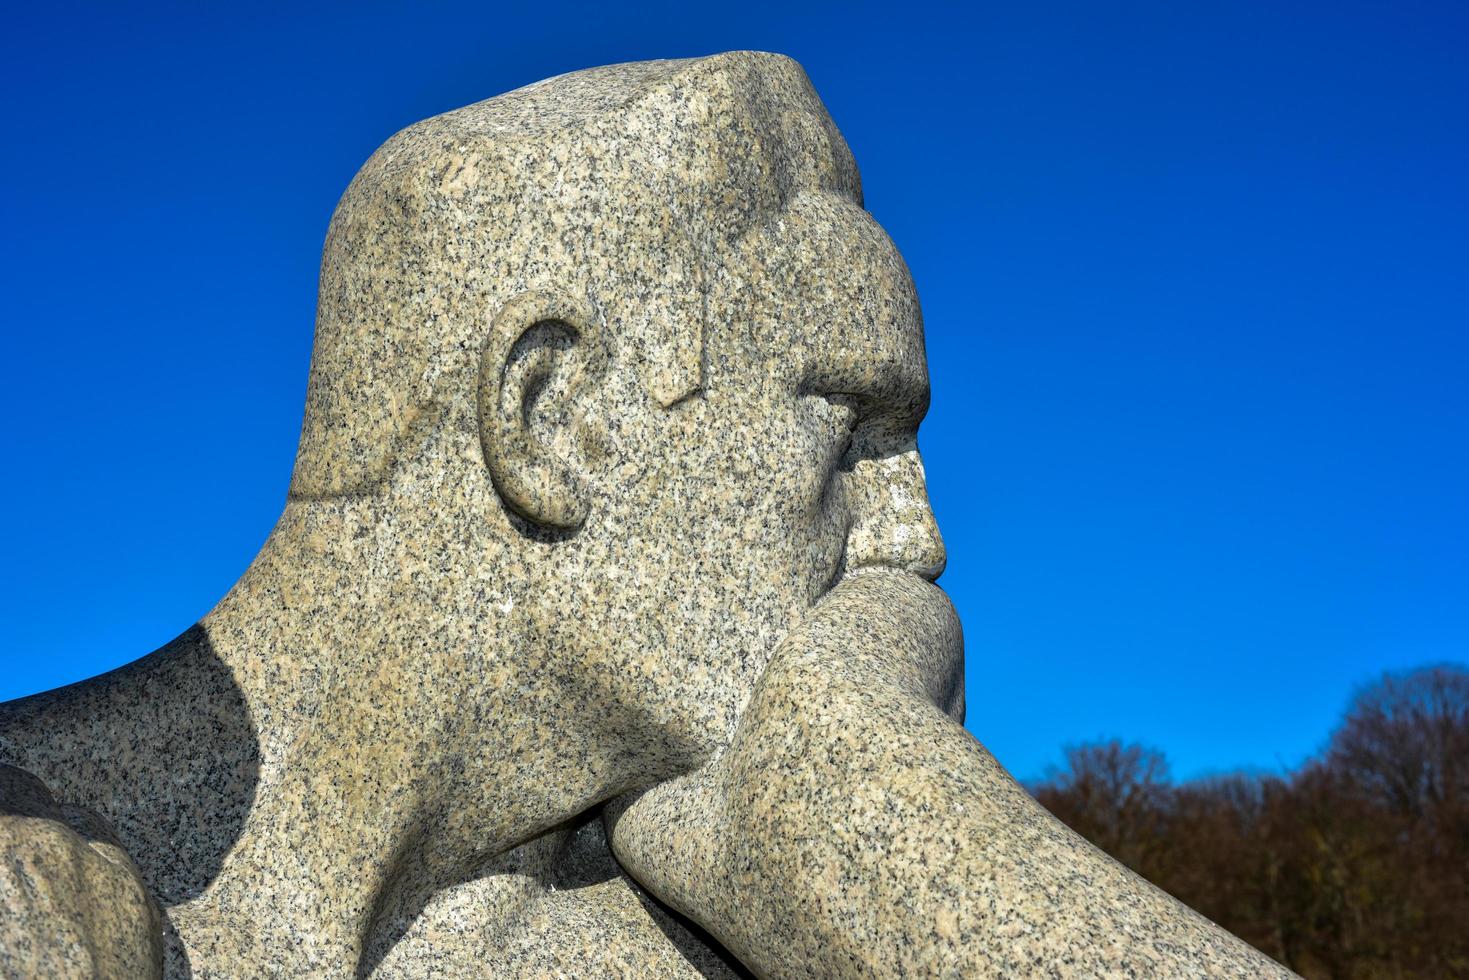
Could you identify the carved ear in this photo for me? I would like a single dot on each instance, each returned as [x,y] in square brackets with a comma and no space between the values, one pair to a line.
[544,351]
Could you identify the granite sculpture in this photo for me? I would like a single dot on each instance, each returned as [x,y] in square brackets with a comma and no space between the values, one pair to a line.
[598,635]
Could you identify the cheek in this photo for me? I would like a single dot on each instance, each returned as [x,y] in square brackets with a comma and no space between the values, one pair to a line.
[720,542]
[735,495]
[788,515]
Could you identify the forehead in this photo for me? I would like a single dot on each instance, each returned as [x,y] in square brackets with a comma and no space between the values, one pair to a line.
[644,199]
[829,304]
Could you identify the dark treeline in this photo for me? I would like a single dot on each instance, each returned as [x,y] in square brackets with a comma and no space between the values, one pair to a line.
[1354,866]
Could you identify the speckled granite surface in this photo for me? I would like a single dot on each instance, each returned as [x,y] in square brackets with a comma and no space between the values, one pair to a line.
[608,520]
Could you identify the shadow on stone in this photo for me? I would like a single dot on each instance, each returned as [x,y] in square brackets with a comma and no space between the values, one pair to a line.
[163,749]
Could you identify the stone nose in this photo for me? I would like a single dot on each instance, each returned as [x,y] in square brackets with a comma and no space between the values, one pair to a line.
[892,523]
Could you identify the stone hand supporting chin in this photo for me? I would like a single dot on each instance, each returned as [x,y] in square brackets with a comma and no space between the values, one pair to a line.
[852,828]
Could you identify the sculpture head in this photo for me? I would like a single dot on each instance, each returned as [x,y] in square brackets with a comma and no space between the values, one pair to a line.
[628,377]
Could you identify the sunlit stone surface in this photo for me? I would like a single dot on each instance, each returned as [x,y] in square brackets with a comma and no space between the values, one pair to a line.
[597,635]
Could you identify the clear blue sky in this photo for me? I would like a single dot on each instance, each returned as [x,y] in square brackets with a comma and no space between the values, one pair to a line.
[1196,280]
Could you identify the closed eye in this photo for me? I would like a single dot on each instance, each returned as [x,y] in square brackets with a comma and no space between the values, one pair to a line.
[833,418]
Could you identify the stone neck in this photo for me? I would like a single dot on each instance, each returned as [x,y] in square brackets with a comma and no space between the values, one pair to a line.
[358,691]
[333,801]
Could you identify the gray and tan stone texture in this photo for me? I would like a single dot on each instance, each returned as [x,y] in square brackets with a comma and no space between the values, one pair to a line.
[597,635]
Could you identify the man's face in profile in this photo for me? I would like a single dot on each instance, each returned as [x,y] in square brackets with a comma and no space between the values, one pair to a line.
[651,498]
[797,462]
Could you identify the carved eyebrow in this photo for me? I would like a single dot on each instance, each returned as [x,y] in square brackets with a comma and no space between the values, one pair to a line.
[892,387]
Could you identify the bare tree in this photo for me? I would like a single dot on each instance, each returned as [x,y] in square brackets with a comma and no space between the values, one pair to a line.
[1354,866]
[1405,739]
[1112,794]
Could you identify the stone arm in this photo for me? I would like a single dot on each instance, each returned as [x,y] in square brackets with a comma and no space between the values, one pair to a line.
[853,828]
